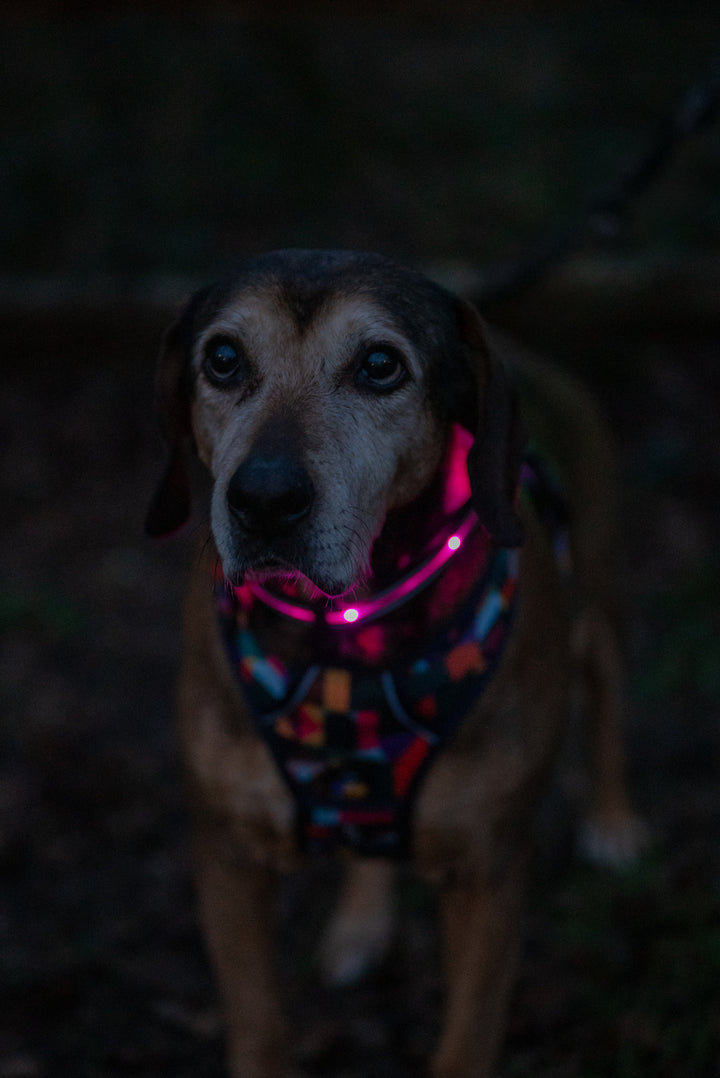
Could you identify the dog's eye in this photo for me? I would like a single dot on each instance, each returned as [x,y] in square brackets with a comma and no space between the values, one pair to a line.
[222,361]
[382,369]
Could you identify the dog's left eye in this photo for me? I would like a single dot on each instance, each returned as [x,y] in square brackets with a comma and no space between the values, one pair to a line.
[222,361]
[381,369]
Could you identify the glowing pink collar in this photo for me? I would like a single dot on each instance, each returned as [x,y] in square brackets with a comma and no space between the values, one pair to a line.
[365,610]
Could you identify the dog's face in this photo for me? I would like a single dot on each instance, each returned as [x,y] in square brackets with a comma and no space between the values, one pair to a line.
[312,434]
[319,389]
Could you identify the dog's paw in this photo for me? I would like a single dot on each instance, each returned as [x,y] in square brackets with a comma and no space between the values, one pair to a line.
[353,947]
[615,844]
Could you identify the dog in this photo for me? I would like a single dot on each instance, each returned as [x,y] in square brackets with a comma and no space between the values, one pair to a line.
[383,561]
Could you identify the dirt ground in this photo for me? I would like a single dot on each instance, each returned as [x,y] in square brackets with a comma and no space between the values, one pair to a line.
[103,971]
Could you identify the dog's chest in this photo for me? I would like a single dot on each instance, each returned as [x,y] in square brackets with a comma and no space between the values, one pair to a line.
[353,740]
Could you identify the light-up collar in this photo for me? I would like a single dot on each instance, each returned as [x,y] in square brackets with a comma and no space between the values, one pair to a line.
[347,613]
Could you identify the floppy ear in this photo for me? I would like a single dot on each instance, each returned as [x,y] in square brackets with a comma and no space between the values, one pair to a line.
[496,456]
[170,507]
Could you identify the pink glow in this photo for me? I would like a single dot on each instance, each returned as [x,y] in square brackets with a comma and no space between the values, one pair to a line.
[380,604]
[391,598]
[457,485]
[283,606]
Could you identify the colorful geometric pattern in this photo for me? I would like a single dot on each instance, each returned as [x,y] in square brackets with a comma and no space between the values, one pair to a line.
[354,743]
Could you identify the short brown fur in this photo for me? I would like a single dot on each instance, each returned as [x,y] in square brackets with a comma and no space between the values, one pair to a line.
[377,455]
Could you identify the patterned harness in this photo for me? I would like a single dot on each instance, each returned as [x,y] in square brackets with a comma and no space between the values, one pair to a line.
[354,741]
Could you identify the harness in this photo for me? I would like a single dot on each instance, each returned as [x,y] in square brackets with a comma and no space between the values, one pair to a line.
[353,739]
[353,744]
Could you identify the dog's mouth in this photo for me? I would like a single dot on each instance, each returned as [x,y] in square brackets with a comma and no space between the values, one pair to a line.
[284,577]
[280,578]
[306,562]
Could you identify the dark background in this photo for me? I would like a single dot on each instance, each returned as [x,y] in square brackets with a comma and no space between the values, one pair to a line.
[142,147]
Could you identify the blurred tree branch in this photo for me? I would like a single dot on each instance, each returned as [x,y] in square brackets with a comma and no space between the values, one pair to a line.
[607,211]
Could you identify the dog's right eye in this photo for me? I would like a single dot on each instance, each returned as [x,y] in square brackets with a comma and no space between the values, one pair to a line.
[222,361]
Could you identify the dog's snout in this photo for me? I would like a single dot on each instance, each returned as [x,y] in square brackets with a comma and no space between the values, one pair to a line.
[270,494]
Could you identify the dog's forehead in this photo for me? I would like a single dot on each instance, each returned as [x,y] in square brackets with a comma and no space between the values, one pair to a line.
[303,284]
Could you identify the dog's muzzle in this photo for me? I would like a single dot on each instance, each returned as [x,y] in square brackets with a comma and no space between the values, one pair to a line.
[269,495]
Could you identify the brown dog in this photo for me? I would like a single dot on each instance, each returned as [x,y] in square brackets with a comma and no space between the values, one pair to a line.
[325,392]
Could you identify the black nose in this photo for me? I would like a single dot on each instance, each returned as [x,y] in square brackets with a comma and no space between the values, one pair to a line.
[270,494]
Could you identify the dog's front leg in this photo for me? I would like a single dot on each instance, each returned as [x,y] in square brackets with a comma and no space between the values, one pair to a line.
[236,902]
[482,943]
[359,932]
[613,834]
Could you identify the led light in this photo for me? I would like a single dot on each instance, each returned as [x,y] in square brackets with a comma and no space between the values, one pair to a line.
[351,614]
[454,542]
